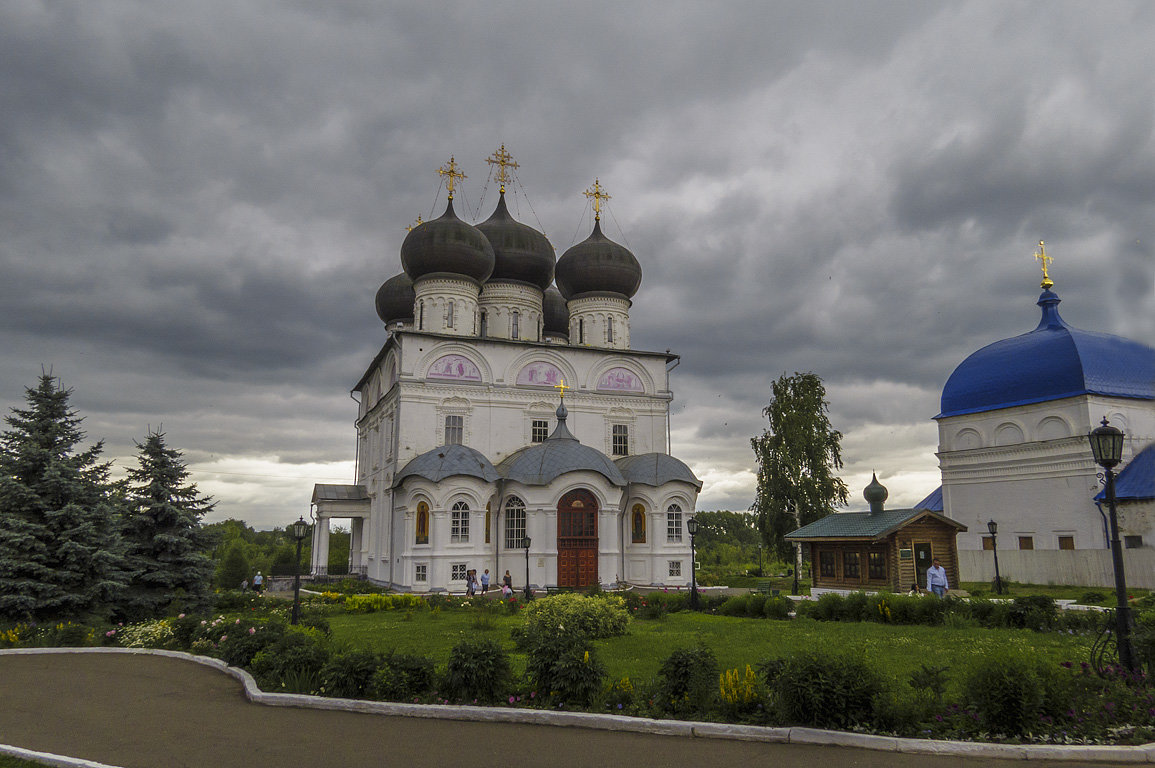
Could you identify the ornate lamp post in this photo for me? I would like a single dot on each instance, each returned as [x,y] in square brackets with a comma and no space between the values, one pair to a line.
[993,527]
[692,529]
[300,530]
[525,542]
[1107,447]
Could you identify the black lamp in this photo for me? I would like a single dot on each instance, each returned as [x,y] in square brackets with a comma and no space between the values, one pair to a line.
[300,530]
[993,527]
[692,529]
[1107,447]
[525,542]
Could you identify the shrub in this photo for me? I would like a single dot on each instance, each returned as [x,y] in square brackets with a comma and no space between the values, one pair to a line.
[146,634]
[1037,612]
[1092,597]
[755,604]
[349,675]
[828,607]
[1143,640]
[562,665]
[293,662]
[235,600]
[402,676]
[620,694]
[778,608]
[593,617]
[687,681]
[739,692]
[856,607]
[478,669]
[370,603]
[1007,693]
[826,690]
[184,629]
[241,646]
[734,606]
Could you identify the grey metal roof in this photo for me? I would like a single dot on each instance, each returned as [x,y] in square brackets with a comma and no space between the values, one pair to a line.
[323,492]
[447,461]
[560,453]
[655,469]
[864,525]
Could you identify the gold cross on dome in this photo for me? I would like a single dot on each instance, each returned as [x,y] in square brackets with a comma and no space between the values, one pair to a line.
[598,193]
[1041,255]
[503,160]
[561,388]
[450,171]
[415,224]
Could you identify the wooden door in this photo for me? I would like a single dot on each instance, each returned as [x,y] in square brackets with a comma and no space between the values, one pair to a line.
[923,557]
[577,540]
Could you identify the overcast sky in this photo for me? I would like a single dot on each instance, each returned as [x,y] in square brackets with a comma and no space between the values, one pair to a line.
[199,199]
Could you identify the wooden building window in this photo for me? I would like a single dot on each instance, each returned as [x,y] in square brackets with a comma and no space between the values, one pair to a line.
[850,566]
[826,564]
[876,566]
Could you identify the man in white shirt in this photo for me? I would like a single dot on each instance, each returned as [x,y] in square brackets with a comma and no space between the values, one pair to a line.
[936,579]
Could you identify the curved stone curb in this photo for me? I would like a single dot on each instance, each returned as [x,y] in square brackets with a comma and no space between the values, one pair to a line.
[795,735]
[47,758]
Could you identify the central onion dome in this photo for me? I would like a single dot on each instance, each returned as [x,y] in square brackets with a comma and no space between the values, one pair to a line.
[875,493]
[1052,362]
[521,253]
[447,245]
[395,299]
[598,265]
[556,313]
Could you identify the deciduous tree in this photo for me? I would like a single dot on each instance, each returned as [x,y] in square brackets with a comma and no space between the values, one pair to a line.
[797,456]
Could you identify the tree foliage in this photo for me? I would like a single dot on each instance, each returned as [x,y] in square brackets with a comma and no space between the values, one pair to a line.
[167,546]
[60,549]
[796,457]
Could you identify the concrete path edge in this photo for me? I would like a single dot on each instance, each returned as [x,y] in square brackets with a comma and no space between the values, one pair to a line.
[791,735]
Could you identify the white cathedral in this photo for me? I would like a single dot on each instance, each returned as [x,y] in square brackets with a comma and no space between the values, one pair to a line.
[507,424]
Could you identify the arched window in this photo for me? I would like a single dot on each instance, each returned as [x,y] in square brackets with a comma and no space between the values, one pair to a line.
[514,325]
[459,523]
[484,325]
[487,523]
[422,523]
[673,523]
[609,330]
[581,331]
[449,314]
[421,315]
[638,524]
[514,522]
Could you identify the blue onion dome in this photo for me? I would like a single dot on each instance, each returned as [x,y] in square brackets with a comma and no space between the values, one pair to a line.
[598,265]
[876,492]
[395,299]
[521,253]
[556,313]
[447,246]
[1052,362]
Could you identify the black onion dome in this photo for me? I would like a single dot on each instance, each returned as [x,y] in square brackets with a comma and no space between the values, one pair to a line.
[447,245]
[598,265]
[555,312]
[520,252]
[395,299]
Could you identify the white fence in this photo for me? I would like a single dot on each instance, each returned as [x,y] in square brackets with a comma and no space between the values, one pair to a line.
[1080,567]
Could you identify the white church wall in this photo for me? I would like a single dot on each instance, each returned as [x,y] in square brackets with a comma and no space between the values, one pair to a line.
[1088,567]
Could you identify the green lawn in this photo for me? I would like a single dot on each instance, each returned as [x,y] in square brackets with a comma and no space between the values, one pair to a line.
[897,650]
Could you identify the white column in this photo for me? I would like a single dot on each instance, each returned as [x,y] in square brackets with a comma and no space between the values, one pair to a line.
[321,550]
[356,537]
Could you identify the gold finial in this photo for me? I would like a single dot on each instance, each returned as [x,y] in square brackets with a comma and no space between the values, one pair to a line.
[450,171]
[561,388]
[598,194]
[503,160]
[1042,256]
[415,224]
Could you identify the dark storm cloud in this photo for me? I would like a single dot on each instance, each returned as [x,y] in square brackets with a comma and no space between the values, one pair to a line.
[198,200]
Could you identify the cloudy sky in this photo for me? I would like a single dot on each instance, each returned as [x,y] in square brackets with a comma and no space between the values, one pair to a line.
[198,201]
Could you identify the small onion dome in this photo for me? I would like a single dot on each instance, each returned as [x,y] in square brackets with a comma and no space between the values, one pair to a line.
[395,299]
[875,494]
[598,265]
[521,253]
[447,245]
[556,313]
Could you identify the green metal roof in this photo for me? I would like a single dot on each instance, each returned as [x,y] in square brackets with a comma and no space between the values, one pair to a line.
[864,525]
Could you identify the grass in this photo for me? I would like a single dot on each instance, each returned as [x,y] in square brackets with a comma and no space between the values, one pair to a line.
[1057,591]
[7,761]
[896,650]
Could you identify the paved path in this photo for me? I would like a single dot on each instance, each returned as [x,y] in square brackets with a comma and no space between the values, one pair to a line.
[141,711]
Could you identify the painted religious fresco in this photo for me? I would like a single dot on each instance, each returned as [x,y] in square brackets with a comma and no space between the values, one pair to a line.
[620,380]
[454,367]
[539,374]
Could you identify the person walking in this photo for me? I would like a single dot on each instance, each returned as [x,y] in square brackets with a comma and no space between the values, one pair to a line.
[258,583]
[471,582]
[936,579]
[485,581]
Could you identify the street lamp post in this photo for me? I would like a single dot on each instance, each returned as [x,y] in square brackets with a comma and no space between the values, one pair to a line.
[692,528]
[993,527]
[759,561]
[1107,447]
[525,542]
[300,530]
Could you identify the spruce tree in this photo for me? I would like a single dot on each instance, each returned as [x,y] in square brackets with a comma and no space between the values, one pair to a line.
[60,549]
[168,549]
